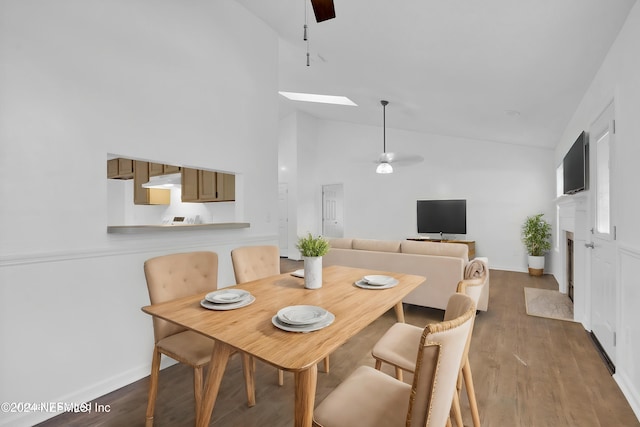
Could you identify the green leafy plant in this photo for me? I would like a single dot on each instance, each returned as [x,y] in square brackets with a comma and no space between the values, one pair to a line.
[312,246]
[536,235]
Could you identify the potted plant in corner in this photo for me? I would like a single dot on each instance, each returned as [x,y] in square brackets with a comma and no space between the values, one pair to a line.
[536,235]
[312,250]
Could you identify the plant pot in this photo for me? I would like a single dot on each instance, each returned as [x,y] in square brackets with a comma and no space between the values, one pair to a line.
[312,272]
[536,265]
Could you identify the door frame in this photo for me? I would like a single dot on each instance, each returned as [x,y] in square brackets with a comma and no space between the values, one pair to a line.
[596,130]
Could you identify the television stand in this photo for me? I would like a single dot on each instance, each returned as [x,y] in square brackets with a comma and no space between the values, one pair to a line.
[471,244]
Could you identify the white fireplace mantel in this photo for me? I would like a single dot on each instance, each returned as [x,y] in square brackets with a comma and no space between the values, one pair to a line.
[573,217]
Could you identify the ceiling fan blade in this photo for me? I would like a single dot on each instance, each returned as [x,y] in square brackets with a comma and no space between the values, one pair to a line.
[323,9]
[407,160]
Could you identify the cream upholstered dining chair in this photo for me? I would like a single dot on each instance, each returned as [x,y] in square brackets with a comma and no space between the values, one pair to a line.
[255,262]
[175,276]
[370,398]
[397,347]
[473,288]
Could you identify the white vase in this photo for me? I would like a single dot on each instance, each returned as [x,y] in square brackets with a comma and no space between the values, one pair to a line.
[312,272]
[536,265]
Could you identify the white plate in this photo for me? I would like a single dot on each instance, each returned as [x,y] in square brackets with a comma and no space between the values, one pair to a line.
[227,296]
[300,315]
[378,280]
[303,328]
[364,285]
[298,273]
[213,306]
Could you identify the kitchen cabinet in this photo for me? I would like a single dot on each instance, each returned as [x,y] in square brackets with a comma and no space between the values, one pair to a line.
[226,183]
[120,168]
[189,185]
[207,186]
[157,169]
[147,196]
[171,169]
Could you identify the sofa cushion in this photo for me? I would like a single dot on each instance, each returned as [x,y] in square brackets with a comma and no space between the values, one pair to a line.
[341,243]
[376,245]
[457,250]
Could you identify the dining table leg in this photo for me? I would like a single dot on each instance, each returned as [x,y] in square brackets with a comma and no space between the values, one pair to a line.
[305,382]
[217,366]
[399,312]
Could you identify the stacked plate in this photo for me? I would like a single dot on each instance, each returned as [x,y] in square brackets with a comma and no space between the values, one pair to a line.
[376,281]
[298,273]
[227,299]
[302,318]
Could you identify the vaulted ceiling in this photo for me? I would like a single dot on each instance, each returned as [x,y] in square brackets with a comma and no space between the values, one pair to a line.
[498,70]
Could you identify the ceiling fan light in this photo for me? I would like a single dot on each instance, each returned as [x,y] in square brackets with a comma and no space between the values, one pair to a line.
[384,167]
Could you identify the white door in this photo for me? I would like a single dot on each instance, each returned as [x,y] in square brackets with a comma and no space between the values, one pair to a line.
[332,210]
[603,244]
[283,219]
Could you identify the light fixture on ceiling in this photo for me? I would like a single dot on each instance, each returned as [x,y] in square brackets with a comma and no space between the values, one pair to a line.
[384,166]
[168,181]
[323,99]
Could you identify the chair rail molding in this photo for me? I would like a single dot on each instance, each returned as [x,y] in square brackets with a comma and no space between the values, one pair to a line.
[131,244]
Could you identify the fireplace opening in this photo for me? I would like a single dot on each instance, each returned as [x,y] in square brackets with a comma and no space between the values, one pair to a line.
[570,265]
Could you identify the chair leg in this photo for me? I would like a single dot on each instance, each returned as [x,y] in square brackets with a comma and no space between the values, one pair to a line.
[455,410]
[449,422]
[153,386]
[326,364]
[248,370]
[399,374]
[378,364]
[471,394]
[197,387]
[280,377]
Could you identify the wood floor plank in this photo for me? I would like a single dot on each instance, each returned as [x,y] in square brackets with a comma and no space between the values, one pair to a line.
[528,371]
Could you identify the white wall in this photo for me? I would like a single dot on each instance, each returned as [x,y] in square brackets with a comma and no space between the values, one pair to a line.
[618,80]
[188,83]
[502,183]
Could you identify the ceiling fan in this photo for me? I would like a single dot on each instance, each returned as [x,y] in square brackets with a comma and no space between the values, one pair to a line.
[323,9]
[387,158]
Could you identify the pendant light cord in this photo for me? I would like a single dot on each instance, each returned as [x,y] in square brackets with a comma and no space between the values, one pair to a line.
[306,35]
[384,125]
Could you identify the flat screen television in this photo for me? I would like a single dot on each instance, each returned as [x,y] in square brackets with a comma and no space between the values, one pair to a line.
[442,216]
[575,166]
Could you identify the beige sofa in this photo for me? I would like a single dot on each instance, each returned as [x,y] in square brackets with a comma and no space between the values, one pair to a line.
[443,264]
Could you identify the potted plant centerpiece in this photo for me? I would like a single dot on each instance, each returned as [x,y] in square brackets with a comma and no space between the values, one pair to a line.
[536,235]
[312,250]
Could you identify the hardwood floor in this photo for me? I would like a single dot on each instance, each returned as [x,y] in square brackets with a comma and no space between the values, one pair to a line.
[528,371]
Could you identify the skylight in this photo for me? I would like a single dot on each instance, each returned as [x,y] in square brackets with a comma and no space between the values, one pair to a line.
[324,99]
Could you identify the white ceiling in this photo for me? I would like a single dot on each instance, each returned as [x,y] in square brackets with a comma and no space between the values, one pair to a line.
[448,67]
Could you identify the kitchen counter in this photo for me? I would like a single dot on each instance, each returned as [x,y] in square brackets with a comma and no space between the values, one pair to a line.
[133,229]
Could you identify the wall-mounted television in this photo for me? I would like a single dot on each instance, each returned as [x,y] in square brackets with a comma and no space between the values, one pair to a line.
[575,166]
[442,216]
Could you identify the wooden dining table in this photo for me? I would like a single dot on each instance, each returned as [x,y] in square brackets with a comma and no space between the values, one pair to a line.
[250,329]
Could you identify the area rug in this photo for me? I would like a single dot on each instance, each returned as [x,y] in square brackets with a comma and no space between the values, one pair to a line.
[549,304]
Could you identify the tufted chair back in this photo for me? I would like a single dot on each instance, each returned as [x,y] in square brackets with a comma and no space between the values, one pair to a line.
[255,262]
[175,276]
[439,358]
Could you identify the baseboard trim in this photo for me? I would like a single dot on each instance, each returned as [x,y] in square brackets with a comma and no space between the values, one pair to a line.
[87,394]
[632,394]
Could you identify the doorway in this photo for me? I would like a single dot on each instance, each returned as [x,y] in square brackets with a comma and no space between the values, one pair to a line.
[332,210]
[283,219]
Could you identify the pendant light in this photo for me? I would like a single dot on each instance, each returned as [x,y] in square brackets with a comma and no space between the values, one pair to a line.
[384,166]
